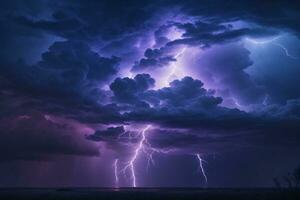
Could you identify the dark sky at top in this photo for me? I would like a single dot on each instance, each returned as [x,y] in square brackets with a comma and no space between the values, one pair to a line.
[143,93]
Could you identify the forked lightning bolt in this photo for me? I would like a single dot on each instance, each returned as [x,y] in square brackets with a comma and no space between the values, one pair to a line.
[201,167]
[144,146]
[130,164]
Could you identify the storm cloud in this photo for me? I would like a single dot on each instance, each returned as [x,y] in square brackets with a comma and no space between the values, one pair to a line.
[85,78]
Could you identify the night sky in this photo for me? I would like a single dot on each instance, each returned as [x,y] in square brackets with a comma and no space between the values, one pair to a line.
[148,93]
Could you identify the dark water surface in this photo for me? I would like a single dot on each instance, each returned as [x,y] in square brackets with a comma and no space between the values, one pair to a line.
[147,193]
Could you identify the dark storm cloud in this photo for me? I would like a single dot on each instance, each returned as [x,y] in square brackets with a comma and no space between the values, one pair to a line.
[173,141]
[128,90]
[154,58]
[193,141]
[186,106]
[205,36]
[15,38]
[282,14]
[278,14]
[16,102]
[111,133]
[94,20]
[28,132]
[200,27]
[161,54]
[39,23]
[91,20]
[63,24]
[160,35]
[36,136]
[187,92]
[65,82]
[118,139]
[200,34]
[67,79]
[288,111]
[184,103]
[206,140]
[192,111]
[182,94]
[67,68]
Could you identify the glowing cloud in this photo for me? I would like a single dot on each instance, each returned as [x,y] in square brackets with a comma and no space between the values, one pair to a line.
[272,41]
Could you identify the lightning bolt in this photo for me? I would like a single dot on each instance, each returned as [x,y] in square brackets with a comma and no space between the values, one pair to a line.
[273,42]
[176,57]
[130,164]
[143,146]
[116,173]
[174,66]
[201,166]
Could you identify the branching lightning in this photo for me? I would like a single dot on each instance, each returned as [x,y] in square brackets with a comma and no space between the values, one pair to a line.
[130,164]
[143,146]
[201,167]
